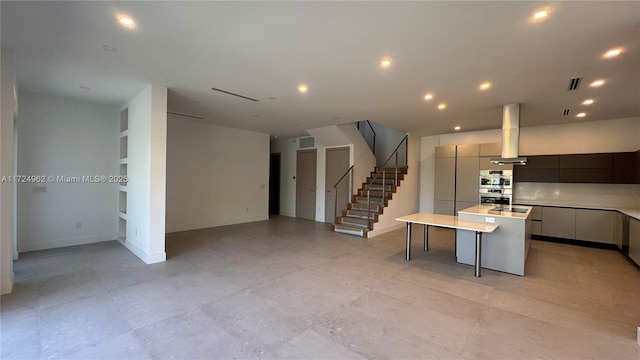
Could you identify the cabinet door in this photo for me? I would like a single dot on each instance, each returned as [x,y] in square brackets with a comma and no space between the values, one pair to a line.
[595,225]
[634,240]
[467,179]
[468,150]
[617,238]
[485,164]
[491,150]
[623,168]
[443,207]
[586,176]
[586,161]
[461,205]
[536,227]
[446,151]
[559,222]
[445,179]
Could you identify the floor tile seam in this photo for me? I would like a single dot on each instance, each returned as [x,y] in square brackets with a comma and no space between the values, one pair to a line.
[480,302]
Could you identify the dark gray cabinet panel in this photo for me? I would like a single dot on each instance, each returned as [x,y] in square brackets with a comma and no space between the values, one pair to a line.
[587,176]
[586,161]
[625,168]
[542,162]
[526,174]
[634,240]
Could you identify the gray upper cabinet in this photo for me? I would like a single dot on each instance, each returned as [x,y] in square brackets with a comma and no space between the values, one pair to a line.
[445,179]
[448,151]
[468,150]
[491,150]
[467,179]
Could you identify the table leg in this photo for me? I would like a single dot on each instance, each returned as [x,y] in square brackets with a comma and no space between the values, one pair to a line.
[426,237]
[408,255]
[478,252]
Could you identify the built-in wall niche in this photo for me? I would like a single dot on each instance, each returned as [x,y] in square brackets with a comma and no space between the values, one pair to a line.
[123,174]
[124,120]
[122,229]
[122,202]
[124,143]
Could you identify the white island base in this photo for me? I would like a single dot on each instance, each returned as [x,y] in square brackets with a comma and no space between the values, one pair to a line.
[503,250]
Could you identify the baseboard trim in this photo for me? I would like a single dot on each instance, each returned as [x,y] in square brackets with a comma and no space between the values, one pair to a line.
[187,227]
[375,232]
[58,243]
[590,244]
[147,258]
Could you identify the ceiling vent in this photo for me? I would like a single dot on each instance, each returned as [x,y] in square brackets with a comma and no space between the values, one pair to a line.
[566,112]
[574,84]
[184,115]
[307,142]
[234,94]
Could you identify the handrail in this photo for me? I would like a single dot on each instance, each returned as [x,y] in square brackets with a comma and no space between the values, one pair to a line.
[364,134]
[384,182]
[343,191]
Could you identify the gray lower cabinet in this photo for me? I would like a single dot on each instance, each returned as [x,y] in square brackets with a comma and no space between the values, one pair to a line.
[444,207]
[595,225]
[634,240]
[618,230]
[559,222]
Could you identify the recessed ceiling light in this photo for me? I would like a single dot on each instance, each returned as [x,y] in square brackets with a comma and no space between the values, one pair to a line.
[428,96]
[456,128]
[540,15]
[442,106]
[588,102]
[597,83]
[109,48]
[613,53]
[303,88]
[485,85]
[126,21]
[581,115]
[385,62]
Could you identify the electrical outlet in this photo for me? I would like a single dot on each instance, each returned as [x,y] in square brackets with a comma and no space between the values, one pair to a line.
[247,210]
[490,220]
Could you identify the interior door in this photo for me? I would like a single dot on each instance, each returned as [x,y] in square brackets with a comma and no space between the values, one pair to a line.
[337,164]
[306,184]
[274,184]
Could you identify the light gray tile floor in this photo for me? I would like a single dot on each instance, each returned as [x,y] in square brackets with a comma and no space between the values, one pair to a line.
[291,289]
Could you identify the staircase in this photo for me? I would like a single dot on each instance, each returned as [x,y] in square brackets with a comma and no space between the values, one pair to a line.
[358,218]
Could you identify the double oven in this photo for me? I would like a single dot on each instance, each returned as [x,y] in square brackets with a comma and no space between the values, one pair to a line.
[496,187]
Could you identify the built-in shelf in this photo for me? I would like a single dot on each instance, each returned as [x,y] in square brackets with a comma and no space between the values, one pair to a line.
[122,202]
[123,171]
[122,229]
[124,120]
[124,144]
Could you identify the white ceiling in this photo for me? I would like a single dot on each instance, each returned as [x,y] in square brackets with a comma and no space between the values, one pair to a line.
[265,49]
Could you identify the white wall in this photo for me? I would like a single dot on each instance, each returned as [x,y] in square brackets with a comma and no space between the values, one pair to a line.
[61,137]
[215,175]
[147,151]
[387,139]
[333,136]
[616,135]
[7,218]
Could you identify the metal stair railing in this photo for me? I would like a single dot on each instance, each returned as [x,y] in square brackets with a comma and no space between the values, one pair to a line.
[343,189]
[368,134]
[394,155]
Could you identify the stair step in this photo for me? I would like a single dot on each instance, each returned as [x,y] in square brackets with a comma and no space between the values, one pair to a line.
[363,207]
[374,200]
[378,181]
[379,187]
[362,214]
[375,193]
[354,221]
[350,230]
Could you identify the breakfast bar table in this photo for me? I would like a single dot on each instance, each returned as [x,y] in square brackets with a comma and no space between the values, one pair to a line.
[450,222]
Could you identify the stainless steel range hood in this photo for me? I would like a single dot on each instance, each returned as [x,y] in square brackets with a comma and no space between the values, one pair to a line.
[510,136]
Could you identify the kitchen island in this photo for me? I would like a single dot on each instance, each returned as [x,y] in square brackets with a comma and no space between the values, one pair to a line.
[506,248]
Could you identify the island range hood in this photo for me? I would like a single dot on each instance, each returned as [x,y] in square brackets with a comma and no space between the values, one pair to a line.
[510,136]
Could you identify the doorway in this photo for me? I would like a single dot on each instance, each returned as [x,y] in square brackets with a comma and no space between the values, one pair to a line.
[336,165]
[306,184]
[274,184]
